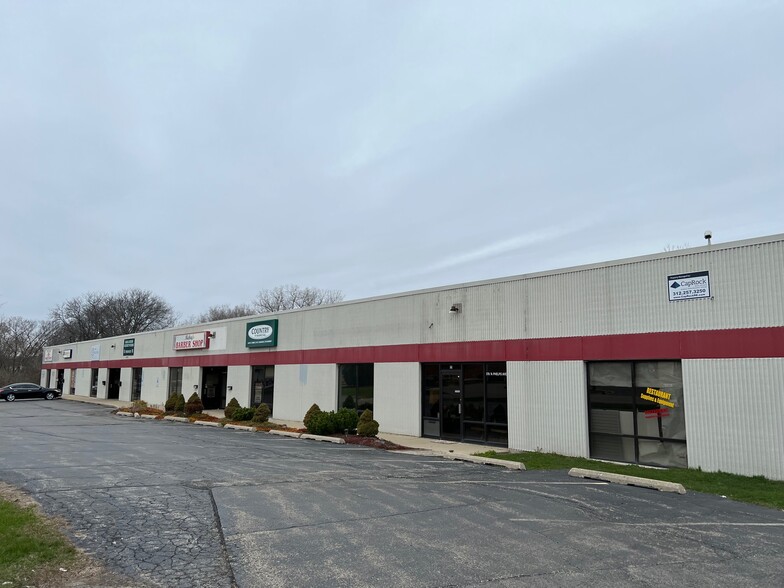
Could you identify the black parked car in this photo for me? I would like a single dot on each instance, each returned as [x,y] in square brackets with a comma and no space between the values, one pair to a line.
[13,391]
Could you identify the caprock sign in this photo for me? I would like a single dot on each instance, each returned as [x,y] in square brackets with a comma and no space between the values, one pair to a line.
[261,333]
[689,286]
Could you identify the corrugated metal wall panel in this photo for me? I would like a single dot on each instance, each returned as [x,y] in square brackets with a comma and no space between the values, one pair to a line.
[396,398]
[735,415]
[548,407]
[297,387]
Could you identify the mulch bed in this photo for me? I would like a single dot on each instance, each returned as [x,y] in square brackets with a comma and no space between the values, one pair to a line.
[374,442]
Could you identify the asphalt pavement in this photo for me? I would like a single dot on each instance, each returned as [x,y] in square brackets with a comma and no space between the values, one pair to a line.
[175,504]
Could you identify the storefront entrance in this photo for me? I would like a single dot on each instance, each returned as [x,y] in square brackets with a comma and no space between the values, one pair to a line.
[465,402]
[213,387]
[113,386]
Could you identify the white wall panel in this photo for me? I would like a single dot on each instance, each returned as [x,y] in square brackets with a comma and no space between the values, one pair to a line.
[548,407]
[154,386]
[735,415]
[83,382]
[126,384]
[297,387]
[238,377]
[191,376]
[396,398]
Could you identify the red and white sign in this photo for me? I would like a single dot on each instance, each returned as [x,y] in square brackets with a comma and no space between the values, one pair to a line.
[199,340]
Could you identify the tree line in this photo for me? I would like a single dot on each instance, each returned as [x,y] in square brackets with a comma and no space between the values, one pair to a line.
[96,315]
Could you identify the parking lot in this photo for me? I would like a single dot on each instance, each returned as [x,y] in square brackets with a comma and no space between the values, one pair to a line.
[172,504]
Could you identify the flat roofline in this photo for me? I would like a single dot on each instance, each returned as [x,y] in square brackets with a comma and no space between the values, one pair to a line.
[514,278]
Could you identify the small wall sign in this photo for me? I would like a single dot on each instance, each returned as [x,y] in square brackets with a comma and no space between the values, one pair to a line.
[200,340]
[67,353]
[688,286]
[48,354]
[129,346]
[261,333]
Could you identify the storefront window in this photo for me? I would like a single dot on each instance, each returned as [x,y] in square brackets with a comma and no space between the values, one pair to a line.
[263,386]
[355,386]
[175,381]
[636,412]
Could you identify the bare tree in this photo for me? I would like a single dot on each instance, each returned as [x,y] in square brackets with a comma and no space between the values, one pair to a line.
[21,343]
[670,247]
[97,314]
[290,296]
[224,311]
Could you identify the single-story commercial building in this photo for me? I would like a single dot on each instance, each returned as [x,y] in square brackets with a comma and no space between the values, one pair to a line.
[673,359]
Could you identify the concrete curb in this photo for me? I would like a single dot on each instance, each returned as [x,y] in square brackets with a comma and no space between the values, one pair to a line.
[239,427]
[286,434]
[149,416]
[660,485]
[123,413]
[176,419]
[207,423]
[511,465]
[337,440]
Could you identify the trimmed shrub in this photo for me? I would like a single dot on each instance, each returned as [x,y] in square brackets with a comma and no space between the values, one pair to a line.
[322,423]
[346,419]
[313,410]
[367,427]
[230,408]
[193,405]
[138,405]
[263,413]
[179,405]
[243,414]
[171,403]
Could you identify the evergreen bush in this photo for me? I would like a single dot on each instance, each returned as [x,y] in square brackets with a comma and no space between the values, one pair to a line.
[171,403]
[367,427]
[179,405]
[312,411]
[243,414]
[230,408]
[263,413]
[346,419]
[193,405]
[323,423]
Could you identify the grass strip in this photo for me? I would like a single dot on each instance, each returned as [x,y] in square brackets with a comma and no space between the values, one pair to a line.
[29,545]
[751,489]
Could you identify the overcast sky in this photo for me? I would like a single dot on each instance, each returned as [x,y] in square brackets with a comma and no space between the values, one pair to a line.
[205,150]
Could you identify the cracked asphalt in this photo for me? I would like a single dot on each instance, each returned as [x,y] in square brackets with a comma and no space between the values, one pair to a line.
[172,504]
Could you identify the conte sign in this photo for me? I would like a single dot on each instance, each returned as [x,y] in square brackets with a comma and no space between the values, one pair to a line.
[200,340]
[261,333]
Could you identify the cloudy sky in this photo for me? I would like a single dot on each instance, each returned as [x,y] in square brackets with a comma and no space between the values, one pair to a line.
[205,150]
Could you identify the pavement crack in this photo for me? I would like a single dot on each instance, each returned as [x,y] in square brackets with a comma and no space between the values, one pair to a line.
[222,537]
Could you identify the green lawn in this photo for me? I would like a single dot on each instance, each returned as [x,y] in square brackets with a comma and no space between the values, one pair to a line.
[756,490]
[29,545]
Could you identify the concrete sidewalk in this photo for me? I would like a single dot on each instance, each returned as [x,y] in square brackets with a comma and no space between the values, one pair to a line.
[418,444]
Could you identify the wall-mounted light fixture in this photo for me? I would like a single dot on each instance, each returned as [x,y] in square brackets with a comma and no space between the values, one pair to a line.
[229,388]
[195,386]
[103,382]
[455,308]
[60,351]
[212,334]
[113,345]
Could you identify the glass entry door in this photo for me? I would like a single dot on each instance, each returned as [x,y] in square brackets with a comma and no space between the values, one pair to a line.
[451,404]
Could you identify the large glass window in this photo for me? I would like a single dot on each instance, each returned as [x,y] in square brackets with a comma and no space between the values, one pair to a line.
[465,401]
[636,412]
[136,385]
[262,385]
[355,386]
[175,381]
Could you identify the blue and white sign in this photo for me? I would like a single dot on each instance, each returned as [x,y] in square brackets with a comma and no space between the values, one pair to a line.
[689,286]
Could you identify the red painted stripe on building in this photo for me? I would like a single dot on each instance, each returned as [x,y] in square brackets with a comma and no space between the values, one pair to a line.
[720,344]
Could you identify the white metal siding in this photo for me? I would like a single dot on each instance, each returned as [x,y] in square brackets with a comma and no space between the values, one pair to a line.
[238,377]
[396,398]
[735,415]
[297,387]
[548,408]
